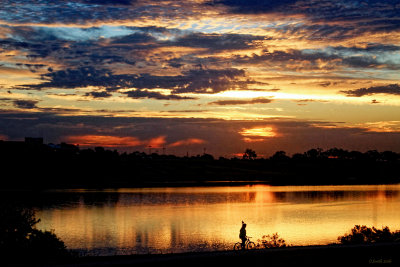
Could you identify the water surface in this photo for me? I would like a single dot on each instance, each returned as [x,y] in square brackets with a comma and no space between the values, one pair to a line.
[163,220]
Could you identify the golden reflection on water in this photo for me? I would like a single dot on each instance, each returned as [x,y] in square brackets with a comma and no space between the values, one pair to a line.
[192,218]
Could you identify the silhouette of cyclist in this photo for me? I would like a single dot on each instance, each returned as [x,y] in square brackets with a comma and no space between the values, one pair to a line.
[242,234]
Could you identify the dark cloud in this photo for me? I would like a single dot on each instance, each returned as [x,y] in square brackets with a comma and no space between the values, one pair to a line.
[210,81]
[32,67]
[254,6]
[351,17]
[312,59]
[192,81]
[82,11]
[142,35]
[370,48]
[135,49]
[392,89]
[320,31]
[60,111]
[242,102]
[55,47]
[81,77]
[216,42]
[25,104]
[102,94]
[154,95]
[110,2]
[334,10]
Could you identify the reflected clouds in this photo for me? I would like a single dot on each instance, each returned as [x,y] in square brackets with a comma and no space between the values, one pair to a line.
[208,218]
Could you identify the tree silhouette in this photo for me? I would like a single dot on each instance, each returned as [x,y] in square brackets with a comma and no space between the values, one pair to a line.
[363,234]
[280,155]
[249,154]
[20,240]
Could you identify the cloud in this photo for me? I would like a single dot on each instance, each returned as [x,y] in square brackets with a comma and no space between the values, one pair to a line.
[304,101]
[255,6]
[156,142]
[25,104]
[187,142]
[200,81]
[320,59]
[32,67]
[242,102]
[128,141]
[328,19]
[258,134]
[197,81]
[110,2]
[221,137]
[80,77]
[86,11]
[210,81]
[102,94]
[154,95]
[392,89]
[114,141]
[217,42]
[328,10]
[103,140]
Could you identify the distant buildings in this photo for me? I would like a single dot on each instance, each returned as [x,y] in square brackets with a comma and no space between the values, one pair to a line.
[36,142]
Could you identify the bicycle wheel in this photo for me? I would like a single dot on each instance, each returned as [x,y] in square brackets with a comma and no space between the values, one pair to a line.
[251,245]
[237,246]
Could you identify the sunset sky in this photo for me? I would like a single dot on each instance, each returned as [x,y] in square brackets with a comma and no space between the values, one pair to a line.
[222,75]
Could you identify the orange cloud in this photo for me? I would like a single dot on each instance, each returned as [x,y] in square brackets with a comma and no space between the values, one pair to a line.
[157,142]
[186,142]
[257,134]
[114,141]
[127,141]
[258,131]
[252,140]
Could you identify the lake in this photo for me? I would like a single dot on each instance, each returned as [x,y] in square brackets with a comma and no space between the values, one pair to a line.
[181,219]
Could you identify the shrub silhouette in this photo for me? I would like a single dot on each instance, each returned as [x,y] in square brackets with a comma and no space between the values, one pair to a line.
[21,241]
[364,235]
[272,241]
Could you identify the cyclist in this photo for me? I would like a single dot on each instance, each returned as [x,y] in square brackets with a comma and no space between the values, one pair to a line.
[242,235]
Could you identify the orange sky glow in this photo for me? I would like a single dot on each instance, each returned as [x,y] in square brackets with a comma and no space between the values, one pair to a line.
[225,75]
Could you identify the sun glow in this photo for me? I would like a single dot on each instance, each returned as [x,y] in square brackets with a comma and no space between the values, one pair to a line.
[262,132]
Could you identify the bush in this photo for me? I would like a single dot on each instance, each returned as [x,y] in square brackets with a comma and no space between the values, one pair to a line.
[364,235]
[273,241]
[21,241]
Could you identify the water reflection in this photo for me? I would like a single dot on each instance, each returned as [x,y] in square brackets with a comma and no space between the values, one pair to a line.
[203,218]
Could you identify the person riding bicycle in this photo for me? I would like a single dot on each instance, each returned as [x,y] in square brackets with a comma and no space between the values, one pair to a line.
[242,235]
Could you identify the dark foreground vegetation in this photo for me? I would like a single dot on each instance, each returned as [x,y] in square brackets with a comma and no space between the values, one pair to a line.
[366,235]
[35,165]
[22,243]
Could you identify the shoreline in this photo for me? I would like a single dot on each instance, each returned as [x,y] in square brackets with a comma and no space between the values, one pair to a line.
[322,255]
[184,184]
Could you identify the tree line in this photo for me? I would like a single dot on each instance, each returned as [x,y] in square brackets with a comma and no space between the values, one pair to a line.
[33,165]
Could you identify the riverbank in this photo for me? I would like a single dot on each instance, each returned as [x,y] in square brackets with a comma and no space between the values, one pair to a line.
[329,255]
[100,168]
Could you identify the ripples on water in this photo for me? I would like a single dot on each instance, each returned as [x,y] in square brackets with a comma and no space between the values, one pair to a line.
[164,220]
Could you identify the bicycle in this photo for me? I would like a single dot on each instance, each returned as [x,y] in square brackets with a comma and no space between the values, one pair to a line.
[248,245]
